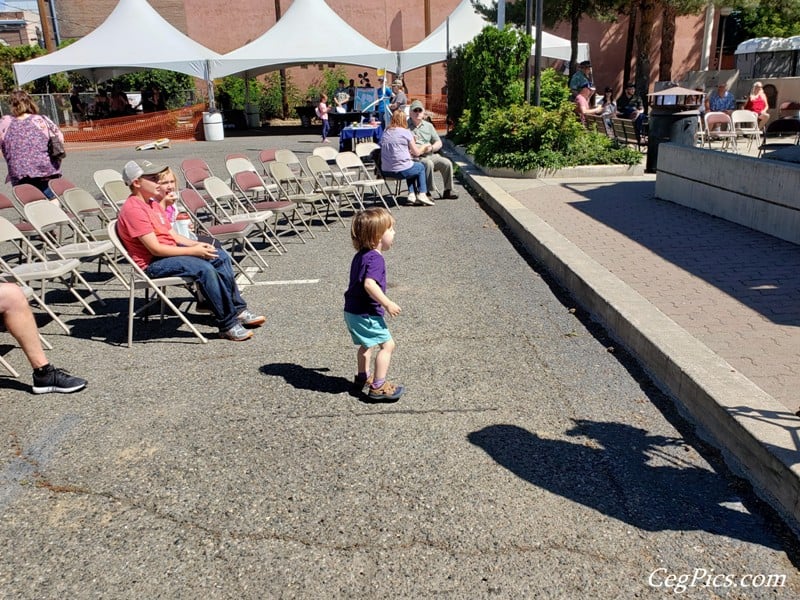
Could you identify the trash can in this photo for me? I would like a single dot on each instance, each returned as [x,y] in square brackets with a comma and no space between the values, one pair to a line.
[212,126]
[253,116]
[678,127]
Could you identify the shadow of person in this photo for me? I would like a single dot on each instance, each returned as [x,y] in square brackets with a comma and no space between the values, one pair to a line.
[305,378]
[609,472]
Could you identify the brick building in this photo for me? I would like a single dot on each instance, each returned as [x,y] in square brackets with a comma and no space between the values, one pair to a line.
[19,28]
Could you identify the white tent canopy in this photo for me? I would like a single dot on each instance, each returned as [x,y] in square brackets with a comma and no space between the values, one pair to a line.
[463,24]
[110,50]
[309,32]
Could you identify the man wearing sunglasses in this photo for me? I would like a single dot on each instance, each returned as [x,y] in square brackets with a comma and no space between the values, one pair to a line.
[425,133]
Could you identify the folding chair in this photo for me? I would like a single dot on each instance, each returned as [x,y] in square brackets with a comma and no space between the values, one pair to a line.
[724,133]
[25,193]
[240,164]
[786,130]
[111,186]
[59,185]
[195,171]
[196,205]
[220,194]
[290,158]
[83,207]
[327,152]
[327,183]
[38,268]
[745,124]
[356,174]
[48,218]
[265,157]
[11,212]
[250,185]
[291,188]
[28,294]
[139,280]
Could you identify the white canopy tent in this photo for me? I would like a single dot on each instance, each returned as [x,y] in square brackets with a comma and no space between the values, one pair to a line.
[109,50]
[309,32]
[463,24]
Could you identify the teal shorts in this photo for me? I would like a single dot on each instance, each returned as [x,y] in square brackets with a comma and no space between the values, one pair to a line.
[367,330]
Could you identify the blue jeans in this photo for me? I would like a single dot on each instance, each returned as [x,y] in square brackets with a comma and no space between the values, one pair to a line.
[414,176]
[215,278]
[326,127]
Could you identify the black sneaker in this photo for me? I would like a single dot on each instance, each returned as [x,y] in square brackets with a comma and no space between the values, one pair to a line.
[56,380]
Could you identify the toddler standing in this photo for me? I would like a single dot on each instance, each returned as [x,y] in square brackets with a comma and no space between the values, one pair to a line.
[365,302]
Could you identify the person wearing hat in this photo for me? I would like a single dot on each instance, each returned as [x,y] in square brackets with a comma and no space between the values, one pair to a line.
[582,107]
[630,106]
[425,137]
[145,231]
[581,77]
[399,99]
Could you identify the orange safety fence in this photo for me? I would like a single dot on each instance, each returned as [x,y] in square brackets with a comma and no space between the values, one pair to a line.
[435,106]
[179,124]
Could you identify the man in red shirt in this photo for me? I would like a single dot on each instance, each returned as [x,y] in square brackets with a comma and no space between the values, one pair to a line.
[145,230]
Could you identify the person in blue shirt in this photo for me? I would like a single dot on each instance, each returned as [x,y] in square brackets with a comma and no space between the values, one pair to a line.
[384,99]
[720,100]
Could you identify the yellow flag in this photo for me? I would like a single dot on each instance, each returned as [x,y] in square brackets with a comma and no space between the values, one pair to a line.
[381,72]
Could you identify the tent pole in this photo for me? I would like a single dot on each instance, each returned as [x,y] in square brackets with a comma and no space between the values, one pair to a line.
[212,105]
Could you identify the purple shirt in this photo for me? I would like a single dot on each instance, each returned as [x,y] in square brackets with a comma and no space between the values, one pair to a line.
[395,156]
[367,264]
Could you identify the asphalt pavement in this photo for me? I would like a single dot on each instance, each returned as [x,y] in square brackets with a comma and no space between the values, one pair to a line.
[532,455]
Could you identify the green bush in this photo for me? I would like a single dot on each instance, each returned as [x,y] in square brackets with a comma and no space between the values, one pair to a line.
[527,137]
[554,90]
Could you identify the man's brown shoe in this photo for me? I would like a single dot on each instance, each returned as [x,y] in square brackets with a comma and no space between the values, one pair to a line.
[449,195]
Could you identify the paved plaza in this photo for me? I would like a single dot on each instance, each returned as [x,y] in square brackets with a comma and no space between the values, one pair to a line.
[531,456]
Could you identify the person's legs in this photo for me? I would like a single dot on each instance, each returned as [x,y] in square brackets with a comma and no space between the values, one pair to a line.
[382,360]
[21,324]
[445,168]
[326,127]
[215,286]
[415,177]
[428,162]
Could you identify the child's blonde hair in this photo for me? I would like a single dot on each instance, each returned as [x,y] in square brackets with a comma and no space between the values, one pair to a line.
[369,226]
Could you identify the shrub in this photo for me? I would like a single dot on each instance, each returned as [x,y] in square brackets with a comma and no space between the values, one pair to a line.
[529,137]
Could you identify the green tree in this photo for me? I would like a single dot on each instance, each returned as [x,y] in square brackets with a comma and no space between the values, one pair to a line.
[10,55]
[493,63]
[767,18]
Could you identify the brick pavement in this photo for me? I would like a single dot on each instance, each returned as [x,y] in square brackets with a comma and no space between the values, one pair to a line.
[732,288]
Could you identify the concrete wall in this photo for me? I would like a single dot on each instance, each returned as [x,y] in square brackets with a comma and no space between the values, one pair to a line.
[757,193]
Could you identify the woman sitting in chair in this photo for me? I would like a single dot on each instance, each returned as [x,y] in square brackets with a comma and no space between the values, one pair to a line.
[398,151]
[757,103]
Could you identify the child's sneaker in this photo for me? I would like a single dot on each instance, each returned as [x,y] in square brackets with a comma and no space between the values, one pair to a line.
[387,392]
[56,380]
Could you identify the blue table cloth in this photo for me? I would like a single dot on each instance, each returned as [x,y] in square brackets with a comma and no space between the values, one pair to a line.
[349,136]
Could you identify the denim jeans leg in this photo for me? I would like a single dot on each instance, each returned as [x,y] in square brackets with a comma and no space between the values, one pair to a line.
[224,268]
[415,177]
[211,283]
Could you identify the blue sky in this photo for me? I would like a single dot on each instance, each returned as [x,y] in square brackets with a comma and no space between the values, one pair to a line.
[19,4]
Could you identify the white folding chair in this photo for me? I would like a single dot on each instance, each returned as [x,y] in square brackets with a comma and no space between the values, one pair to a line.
[36,268]
[356,174]
[139,280]
[64,239]
[719,127]
[745,124]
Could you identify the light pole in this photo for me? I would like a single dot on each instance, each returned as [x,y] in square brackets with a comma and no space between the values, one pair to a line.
[724,13]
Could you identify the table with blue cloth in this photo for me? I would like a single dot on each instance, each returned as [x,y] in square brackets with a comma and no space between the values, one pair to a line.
[349,136]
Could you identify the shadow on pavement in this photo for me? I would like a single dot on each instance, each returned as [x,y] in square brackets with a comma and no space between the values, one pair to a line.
[758,270]
[306,378]
[628,474]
